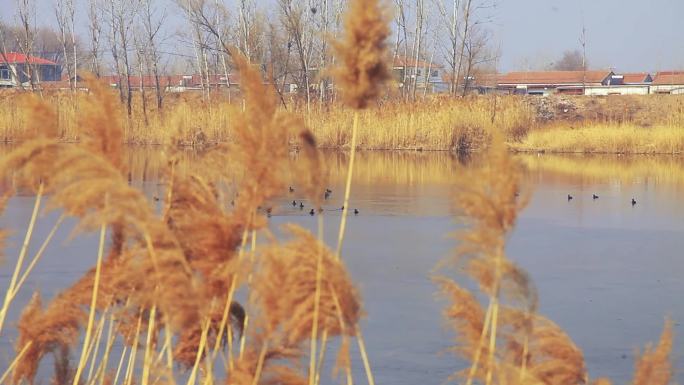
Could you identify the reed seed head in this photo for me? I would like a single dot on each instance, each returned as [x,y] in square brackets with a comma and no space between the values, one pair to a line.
[362,53]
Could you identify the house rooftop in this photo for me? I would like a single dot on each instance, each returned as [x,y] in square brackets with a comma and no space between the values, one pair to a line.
[20,58]
[636,78]
[668,78]
[554,77]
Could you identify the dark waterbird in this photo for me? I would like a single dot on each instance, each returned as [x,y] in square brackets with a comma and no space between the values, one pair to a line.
[312,212]
[301,206]
[633,201]
[294,203]
[594,196]
[569,197]
[356,211]
[291,189]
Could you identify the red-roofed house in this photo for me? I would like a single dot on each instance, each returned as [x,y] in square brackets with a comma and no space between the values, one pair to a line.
[668,82]
[548,82]
[411,69]
[15,69]
[623,84]
[637,78]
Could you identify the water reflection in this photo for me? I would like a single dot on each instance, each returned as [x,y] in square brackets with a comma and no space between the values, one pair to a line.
[607,272]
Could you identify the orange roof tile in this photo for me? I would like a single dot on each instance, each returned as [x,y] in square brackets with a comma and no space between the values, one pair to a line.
[20,58]
[668,77]
[636,77]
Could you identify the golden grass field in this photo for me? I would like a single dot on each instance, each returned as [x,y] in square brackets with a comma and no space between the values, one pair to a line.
[164,283]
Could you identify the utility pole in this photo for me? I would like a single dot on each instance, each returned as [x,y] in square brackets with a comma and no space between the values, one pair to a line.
[583,43]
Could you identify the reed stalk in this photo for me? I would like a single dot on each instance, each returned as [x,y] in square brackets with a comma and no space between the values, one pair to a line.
[203,340]
[260,363]
[226,309]
[343,329]
[102,367]
[478,351]
[22,255]
[118,367]
[321,356]
[93,305]
[364,355]
[495,315]
[130,369]
[96,344]
[243,337]
[148,346]
[317,304]
[37,256]
[14,362]
[347,188]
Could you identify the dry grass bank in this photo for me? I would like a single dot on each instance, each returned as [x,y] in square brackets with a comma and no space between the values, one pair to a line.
[649,124]
[432,124]
[605,138]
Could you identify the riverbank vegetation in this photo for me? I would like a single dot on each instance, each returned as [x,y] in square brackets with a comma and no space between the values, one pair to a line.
[639,125]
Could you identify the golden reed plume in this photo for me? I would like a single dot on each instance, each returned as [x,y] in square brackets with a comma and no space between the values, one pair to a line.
[288,315]
[654,366]
[3,233]
[510,343]
[362,53]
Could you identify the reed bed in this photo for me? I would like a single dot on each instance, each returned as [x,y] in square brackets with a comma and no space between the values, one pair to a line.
[602,138]
[595,125]
[659,170]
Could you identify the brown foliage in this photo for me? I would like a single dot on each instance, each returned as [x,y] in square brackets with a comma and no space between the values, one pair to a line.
[362,53]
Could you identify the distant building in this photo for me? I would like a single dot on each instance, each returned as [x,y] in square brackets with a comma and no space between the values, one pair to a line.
[412,69]
[14,69]
[172,83]
[623,84]
[550,82]
[668,82]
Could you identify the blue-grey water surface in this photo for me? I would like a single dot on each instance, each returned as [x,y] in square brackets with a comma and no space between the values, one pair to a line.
[607,272]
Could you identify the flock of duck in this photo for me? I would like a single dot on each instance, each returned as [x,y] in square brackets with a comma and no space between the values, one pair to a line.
[326,195]
[595,197]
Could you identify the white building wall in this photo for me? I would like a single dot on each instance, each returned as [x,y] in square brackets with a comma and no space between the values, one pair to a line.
[675,89]
[617,90]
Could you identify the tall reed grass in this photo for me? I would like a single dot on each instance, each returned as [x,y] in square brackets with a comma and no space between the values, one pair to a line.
[608,125]
[612,139]
[505,339]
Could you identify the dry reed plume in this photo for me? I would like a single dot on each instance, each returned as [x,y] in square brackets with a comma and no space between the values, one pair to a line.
[169,281]
[362,53]
[507,342]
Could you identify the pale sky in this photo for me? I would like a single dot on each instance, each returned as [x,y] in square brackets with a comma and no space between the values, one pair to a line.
[625,35]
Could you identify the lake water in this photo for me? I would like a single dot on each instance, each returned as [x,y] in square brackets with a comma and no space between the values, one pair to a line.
[607,272]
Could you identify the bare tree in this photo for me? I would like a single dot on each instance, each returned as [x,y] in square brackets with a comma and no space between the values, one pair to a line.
[121,18]
[477,53]
[450,18]
[294,20]
[572,60]
[152,23]
[402,39]
[95,34]
[25,37]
